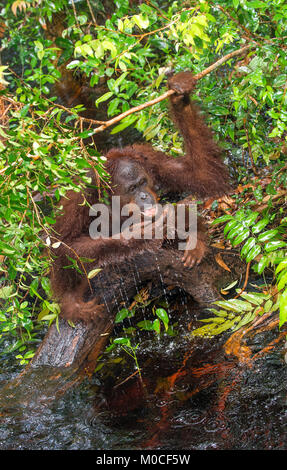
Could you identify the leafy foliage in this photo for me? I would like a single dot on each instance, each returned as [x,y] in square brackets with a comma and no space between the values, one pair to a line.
[157,308]
[130,327]
[131,48]
[233,314]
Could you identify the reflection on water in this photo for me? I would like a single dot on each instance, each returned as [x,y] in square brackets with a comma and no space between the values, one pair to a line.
[193,396]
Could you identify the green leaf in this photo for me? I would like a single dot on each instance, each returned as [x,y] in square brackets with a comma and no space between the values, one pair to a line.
[241,237]
[223,218]
[46,284]
[240,215]
[145,325]
[86,134]
[249,317]
[281,266]
[113,106]
[82,19]
[219,313]
[6,249]
[260,225]
[217,320]
[49,316]
[156,325]
[252,298]
[251,219]
[104,97]
[282,273]
[272,246]
[125,123]
[262,264]
[279,81]
[73,64]
[121,315]
[230,285]
[247,246]
[203,331]
[236,231]
[163,316]
[141,21]
[265,236]
[110,45]
[256,4]
[85,50]
[234,305]
[226,326]
[283,281]
[119,81]
[24,110]
[213,329]
[39,45]
[125,341]
[268,306]
[5,292]
[94,272]
[120,25]
[253,253]
[283,309]
[230,225]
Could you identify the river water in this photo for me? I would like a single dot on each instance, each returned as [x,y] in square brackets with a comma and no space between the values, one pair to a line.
[192,396]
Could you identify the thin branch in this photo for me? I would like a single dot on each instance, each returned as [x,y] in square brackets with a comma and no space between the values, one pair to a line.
[118,118]
[223,59]
[247,31]
[92,13]
[245,282]
[75,13]
[70,111]
[168,93]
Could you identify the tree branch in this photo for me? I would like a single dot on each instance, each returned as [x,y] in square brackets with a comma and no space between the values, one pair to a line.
[168,93]
[223,59]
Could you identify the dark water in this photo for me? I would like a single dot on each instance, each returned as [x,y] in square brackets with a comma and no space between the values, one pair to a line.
[193,396]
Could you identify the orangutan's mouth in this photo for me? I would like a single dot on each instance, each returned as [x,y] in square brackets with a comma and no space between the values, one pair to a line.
[150,211]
